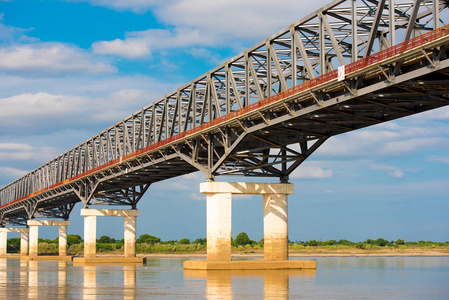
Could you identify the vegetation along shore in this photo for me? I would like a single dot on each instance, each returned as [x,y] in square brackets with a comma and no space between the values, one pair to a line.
[242,245]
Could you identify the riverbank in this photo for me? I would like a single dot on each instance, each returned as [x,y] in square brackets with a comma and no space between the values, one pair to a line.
[426,253]
[257,250]
[317,252]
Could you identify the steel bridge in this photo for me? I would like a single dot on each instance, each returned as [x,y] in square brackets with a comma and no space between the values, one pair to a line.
[349,65]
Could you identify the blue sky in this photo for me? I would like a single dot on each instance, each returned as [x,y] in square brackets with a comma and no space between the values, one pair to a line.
[69,69]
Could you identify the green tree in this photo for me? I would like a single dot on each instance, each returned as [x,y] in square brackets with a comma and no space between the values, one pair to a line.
[148,239]
[171,242]
[381,242]
[13,245]
[400,242]
[312,243]
[242,239]
[344,242]
[329,243]
[360,245]
[73,239]
[48,241]
[104,239]
[184,241]
[201,241]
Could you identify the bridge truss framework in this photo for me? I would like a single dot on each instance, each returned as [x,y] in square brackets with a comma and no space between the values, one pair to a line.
[261,113]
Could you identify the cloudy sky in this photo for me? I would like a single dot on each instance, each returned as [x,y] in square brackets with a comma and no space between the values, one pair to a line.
[69,69]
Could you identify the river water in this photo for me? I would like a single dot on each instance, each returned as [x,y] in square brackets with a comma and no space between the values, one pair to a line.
[164,278]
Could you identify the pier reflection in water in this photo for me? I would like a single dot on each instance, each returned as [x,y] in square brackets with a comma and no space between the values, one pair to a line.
[164,278]
[274,283]
[101,279]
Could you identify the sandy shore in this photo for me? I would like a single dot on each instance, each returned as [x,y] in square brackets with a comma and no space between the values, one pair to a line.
[321,253]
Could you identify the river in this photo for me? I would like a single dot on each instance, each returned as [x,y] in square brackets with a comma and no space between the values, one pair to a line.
[164,278]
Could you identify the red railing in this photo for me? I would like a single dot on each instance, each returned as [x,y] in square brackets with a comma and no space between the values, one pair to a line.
[350,68]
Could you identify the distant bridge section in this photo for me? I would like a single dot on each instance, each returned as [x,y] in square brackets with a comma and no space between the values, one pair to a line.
[349,65]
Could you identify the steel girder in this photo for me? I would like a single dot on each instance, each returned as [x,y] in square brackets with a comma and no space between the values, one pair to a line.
[106,170]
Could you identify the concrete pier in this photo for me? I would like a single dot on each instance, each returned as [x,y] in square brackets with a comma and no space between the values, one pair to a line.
[34,234]
[24,241]
[62,240]
[219,226]
[90,235]
[24,233]
[275,226]
[219,219]
[3,242]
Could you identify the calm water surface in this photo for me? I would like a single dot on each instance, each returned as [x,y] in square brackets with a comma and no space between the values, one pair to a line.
[335,278]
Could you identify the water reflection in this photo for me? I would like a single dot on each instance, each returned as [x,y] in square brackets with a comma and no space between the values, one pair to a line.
[3,277]
[33,278]
[275,283]
[97,277]
[23,278]
[129,282]
[62,279]
[335,278]
[90,282]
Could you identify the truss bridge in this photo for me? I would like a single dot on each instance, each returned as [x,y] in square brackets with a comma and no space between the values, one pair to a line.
[349,65]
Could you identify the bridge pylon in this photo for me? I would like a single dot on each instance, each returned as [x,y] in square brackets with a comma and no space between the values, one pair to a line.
[90,235]
[219,220]
[24,238]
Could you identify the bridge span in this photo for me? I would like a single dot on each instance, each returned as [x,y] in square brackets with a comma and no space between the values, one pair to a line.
[349,65]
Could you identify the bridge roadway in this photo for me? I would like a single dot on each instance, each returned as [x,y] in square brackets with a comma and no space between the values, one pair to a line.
[261,113]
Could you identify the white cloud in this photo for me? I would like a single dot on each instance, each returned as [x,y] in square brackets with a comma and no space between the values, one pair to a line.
[439,114]
[222,20]
[43,110]
[50,59]
[129,48]
[138,6]
[198,196]
[11,172]
[88,86]
[412,145]
[205,54]
[230,23]
[311,172]
[388,139]
[392,171]
[15,146]
[18,151]
[197,176]
[11,33]
[439,159]
[140,44]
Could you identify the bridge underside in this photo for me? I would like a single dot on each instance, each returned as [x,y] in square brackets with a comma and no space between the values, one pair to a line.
[272,142]
[280,139]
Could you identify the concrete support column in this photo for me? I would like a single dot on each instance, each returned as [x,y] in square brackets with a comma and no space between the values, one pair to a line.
[219,198]
[34,233]
[130,236]
[90,228]
[275,224]
[219,220]
[62,279]
[90,236]
[3,241]
[129,282]
[62,240]
[34,228]
[24,237]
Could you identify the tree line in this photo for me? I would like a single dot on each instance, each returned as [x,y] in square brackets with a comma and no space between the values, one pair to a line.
[106,243]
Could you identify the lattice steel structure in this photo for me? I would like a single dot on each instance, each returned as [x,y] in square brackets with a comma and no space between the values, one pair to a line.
[261,113]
